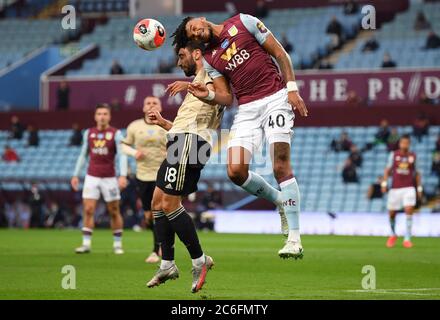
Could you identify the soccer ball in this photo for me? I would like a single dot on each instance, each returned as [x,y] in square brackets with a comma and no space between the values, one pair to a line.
[149,34]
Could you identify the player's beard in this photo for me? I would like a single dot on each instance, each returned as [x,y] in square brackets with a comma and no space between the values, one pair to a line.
[191,70]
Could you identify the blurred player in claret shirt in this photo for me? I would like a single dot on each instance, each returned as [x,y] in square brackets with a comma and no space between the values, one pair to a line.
[101,144]
[239,52]
[405,188]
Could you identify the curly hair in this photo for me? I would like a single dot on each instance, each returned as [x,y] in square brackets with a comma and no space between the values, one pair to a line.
[180,38]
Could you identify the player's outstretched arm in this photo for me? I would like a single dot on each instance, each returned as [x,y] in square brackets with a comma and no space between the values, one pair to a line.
[276,50]
[74,182]
[156,118]
[176,87]
[217,93]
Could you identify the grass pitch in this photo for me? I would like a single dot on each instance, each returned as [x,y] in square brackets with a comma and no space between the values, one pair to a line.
[247,267]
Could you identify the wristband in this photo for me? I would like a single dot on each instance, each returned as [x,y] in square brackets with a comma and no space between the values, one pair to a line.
[419,189]
[383,184]
[291,86]
[211,95]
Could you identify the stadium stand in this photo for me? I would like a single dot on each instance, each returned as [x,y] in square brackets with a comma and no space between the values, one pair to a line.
[316,166]
[400,40]
[115,39]
[24,9]
[304,28]
[35,33]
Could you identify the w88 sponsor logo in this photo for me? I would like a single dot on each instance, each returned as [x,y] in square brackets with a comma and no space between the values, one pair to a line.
[238,59]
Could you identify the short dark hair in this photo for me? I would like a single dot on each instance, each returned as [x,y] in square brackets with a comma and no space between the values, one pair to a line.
[406,136]
[180,38]
[192,45]
[103,106]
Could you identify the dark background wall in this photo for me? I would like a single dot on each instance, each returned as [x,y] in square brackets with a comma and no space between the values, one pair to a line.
[318,116]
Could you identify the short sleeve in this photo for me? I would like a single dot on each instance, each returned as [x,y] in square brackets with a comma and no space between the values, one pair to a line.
[207,80]
[119,137]
[213,73]
[129,139]
[255,27]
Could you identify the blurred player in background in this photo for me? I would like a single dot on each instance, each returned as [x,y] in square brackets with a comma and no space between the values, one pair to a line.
[188,150]
[149,150]
[241,51]
[101,144]
[406,181]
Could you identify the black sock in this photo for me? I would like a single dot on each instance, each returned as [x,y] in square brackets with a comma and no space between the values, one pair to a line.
[185,229]
[155,242]
[164,234]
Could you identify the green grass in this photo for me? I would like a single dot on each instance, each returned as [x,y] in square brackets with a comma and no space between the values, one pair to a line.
[247,267]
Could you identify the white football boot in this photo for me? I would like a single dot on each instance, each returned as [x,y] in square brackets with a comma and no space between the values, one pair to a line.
[162,275]
[292,249]
[118,250]
[83,249]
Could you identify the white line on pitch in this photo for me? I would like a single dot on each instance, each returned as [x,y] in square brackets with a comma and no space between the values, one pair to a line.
[398,291]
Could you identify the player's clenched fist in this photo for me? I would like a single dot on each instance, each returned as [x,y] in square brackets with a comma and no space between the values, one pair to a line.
[298,103]
[74,182]
[155,117]
[139,155]
[122,181]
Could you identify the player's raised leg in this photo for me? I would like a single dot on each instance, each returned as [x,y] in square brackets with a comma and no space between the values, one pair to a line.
[89,207]
[185,229]
[391,242]
[251,182]
[165,238]
[290,196]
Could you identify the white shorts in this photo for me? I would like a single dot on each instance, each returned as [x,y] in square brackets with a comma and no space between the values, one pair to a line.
[401,197]
[271,117]
[95,186]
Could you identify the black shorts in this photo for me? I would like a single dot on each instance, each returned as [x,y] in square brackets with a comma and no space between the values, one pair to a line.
[145,191]
[179,173]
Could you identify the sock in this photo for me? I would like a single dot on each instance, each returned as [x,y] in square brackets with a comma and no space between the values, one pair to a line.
[256,185]
[393,226]
[155,243]
[166,264]
[165,235]
[185,229]
[294,236]
[117,238]
[291,204]
[199,261]
[87,237]
[408,227]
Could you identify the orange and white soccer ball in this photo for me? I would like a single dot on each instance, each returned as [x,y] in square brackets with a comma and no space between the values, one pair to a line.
[149,34]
